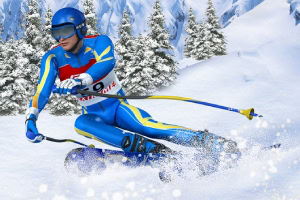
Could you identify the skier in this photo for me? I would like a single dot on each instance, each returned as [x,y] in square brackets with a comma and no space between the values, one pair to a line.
[88,62]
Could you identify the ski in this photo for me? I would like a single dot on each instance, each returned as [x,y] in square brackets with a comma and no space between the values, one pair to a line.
[97,159]
[86,160]
[274,146]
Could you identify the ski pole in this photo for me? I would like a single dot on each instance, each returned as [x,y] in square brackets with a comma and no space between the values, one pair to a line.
[67,140]
[249,113]
[30,134]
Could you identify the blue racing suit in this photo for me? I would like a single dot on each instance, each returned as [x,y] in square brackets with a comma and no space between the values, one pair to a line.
[111,120]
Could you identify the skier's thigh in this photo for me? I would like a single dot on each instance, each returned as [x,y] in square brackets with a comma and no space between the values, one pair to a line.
[91,126]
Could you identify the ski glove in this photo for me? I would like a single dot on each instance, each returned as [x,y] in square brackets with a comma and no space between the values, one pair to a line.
[32,133]
[65,87]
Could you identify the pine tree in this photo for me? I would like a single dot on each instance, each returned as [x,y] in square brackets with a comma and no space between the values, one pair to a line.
[90,16]
[8,107]
[192,34]
[125,47]
[16,87]
[215,36]
[202,45]
[33,27]
[33,38]
[48,40]
[165,64]
[139,78]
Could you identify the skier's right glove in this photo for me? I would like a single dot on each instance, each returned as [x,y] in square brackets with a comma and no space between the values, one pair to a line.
[32,133]
[65,87]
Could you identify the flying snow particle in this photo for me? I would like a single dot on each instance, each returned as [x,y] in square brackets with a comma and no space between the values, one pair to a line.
[135,194]
[242,144]
[252,174]
[265,124]
[267,177]
[117,196]
[104,195]
[273,169]
[124,159]
[233,156]
[126,194]
[278,134]
[43,188]
[144,190]
[90,192]
[131,186]
[258,124]
[288,121]
[295,162]
[234,132]
[59,197]
[84,180]
[176,193]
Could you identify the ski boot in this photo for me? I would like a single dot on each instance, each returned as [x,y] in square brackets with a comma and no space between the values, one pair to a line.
[213,150]
[138,143]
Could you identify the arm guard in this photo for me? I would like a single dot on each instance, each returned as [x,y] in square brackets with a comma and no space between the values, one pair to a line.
[48,74]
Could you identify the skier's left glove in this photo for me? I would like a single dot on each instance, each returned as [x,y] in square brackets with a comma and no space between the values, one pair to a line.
[65,87]
[32,132]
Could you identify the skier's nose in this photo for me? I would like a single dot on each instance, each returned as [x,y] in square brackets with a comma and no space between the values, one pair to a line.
[61,39]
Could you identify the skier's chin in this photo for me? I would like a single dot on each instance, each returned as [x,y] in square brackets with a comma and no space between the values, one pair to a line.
[66,47]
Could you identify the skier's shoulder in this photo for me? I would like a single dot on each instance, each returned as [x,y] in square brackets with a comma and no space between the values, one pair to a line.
[55,50]
[97,41]
[55,54]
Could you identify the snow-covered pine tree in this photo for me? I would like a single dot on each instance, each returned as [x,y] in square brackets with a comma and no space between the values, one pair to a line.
[216,37]
[33,39]
[48,40]
[140,76]
[33,27]
[16,83]
[90,16]
[165,64]
[192,34]
[125,48]
[8,107]
[202,45]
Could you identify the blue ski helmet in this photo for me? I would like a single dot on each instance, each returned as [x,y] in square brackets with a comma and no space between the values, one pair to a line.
[71,18]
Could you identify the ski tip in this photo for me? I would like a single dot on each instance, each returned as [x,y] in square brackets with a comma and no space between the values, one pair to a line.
[274,146]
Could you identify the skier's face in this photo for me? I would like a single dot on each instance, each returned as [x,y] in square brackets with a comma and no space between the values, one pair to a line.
[68,43]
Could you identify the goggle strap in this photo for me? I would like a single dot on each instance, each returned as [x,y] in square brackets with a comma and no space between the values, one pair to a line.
[80,26]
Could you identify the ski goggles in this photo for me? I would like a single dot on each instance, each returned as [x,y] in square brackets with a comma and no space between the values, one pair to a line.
[63,32]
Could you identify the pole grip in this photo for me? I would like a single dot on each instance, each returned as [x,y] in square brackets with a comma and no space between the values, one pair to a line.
[73,90]
[30,135]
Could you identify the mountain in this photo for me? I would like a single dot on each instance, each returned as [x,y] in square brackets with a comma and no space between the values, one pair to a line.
[295,10]
[110,14]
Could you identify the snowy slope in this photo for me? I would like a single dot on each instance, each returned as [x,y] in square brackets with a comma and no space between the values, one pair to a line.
[260,71]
